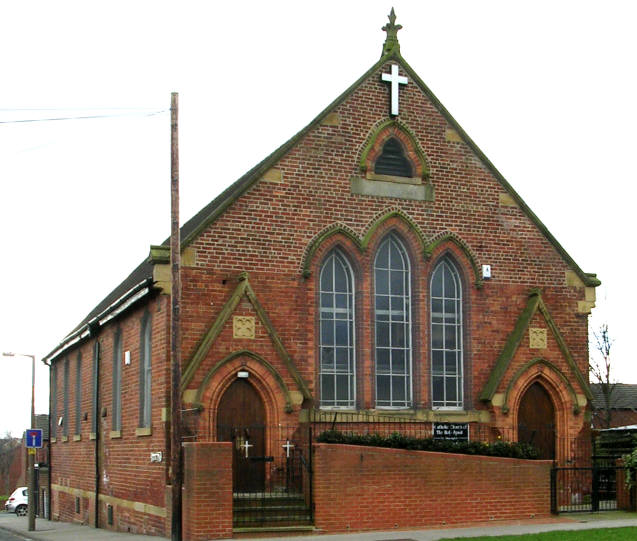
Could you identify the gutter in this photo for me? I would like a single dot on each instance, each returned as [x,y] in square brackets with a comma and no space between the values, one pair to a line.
[90,328]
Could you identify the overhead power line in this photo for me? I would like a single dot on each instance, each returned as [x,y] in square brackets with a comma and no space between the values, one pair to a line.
[87,117]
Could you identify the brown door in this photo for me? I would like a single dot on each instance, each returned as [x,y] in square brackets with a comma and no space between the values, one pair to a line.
[536,420]
[241,419]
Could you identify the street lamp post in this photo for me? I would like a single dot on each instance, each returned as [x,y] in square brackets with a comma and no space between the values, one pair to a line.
[30,451]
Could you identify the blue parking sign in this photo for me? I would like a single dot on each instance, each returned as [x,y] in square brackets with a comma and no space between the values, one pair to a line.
[34,438]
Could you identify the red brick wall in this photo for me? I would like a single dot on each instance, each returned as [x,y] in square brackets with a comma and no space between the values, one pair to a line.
[207,495]
[126,475]
[363,488]
[267,231]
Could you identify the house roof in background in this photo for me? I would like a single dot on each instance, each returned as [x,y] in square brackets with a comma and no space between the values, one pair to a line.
[623,396]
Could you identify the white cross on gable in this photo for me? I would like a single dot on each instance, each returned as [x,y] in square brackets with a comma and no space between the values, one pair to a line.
[395,80]
[287,448]
[246,445]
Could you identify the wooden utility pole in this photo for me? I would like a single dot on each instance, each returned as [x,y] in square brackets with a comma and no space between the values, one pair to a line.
[175,327]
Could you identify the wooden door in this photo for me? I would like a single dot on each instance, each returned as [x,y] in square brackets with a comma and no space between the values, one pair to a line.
[536,420]
[241,419]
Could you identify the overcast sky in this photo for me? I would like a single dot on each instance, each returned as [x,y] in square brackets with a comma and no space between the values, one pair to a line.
[545,88]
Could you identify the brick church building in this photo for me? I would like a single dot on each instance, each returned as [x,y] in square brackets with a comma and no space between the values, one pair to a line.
[374,269]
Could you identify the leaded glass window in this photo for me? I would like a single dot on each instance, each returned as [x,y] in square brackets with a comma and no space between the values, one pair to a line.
[446,337]
[392,296]
[337,342]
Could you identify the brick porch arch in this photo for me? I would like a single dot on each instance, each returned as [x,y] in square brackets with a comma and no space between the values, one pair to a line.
[262,376]
[567,423]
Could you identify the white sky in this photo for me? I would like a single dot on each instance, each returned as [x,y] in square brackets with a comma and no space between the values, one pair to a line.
[545,88]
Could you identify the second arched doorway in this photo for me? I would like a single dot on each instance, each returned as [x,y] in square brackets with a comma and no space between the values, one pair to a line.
[536,420]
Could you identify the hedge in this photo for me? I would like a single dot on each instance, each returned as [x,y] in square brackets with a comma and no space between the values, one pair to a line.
[400,441]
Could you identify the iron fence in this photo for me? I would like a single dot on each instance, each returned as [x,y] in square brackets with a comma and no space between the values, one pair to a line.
[566,451]
[588,489]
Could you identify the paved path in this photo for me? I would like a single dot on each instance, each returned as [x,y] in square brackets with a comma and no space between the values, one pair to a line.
[63,531]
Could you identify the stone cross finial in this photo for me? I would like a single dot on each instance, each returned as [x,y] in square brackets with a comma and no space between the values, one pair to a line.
[392,29]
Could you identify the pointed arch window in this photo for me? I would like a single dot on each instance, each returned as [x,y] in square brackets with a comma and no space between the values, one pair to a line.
[446,337]
[392,160]
[337,340]
[392,323]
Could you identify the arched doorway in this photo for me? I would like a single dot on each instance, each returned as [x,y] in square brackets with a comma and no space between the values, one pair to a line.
[536,420]
[241,420]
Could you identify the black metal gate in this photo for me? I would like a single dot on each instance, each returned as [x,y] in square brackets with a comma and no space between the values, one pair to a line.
[272,475]
[589,489]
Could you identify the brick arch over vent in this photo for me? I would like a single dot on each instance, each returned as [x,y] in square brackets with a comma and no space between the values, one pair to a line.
[376,140]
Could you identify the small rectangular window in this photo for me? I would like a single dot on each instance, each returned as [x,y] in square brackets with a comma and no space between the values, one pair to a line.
[145,375]
[65,422]
[54,399]
[117,381]
[78,395]
[96,356]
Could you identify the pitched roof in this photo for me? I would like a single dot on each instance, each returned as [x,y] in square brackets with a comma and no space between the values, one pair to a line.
[208,214]
[622,396]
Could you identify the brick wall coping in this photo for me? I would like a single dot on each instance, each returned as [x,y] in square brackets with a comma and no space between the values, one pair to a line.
[370,448]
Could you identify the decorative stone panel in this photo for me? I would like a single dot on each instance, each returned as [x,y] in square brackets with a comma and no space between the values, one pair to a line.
[243,327]
[537,338]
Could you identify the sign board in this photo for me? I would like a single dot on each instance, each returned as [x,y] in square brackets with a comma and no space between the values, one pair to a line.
[451,431]
[34,438]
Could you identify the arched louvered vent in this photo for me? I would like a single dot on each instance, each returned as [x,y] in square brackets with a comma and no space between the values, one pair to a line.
[392,160]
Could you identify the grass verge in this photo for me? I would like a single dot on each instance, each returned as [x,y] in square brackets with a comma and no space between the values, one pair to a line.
[599,534]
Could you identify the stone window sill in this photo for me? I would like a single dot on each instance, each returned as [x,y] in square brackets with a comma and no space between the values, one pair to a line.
[395,190]
[144,431]
[392,178]
[115,434]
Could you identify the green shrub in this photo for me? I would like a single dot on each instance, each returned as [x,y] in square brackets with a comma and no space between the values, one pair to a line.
[397,440]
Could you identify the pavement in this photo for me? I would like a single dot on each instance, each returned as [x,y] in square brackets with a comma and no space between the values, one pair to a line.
[46,530]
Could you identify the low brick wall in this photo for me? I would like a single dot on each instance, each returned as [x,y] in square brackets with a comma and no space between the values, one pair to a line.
[371,488]
[207,491]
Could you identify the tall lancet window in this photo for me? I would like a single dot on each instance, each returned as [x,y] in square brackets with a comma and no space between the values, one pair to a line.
[392,314]
[337,341]
[446,337]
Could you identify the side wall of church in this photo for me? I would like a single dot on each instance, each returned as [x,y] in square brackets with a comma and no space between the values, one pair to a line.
[134,487]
